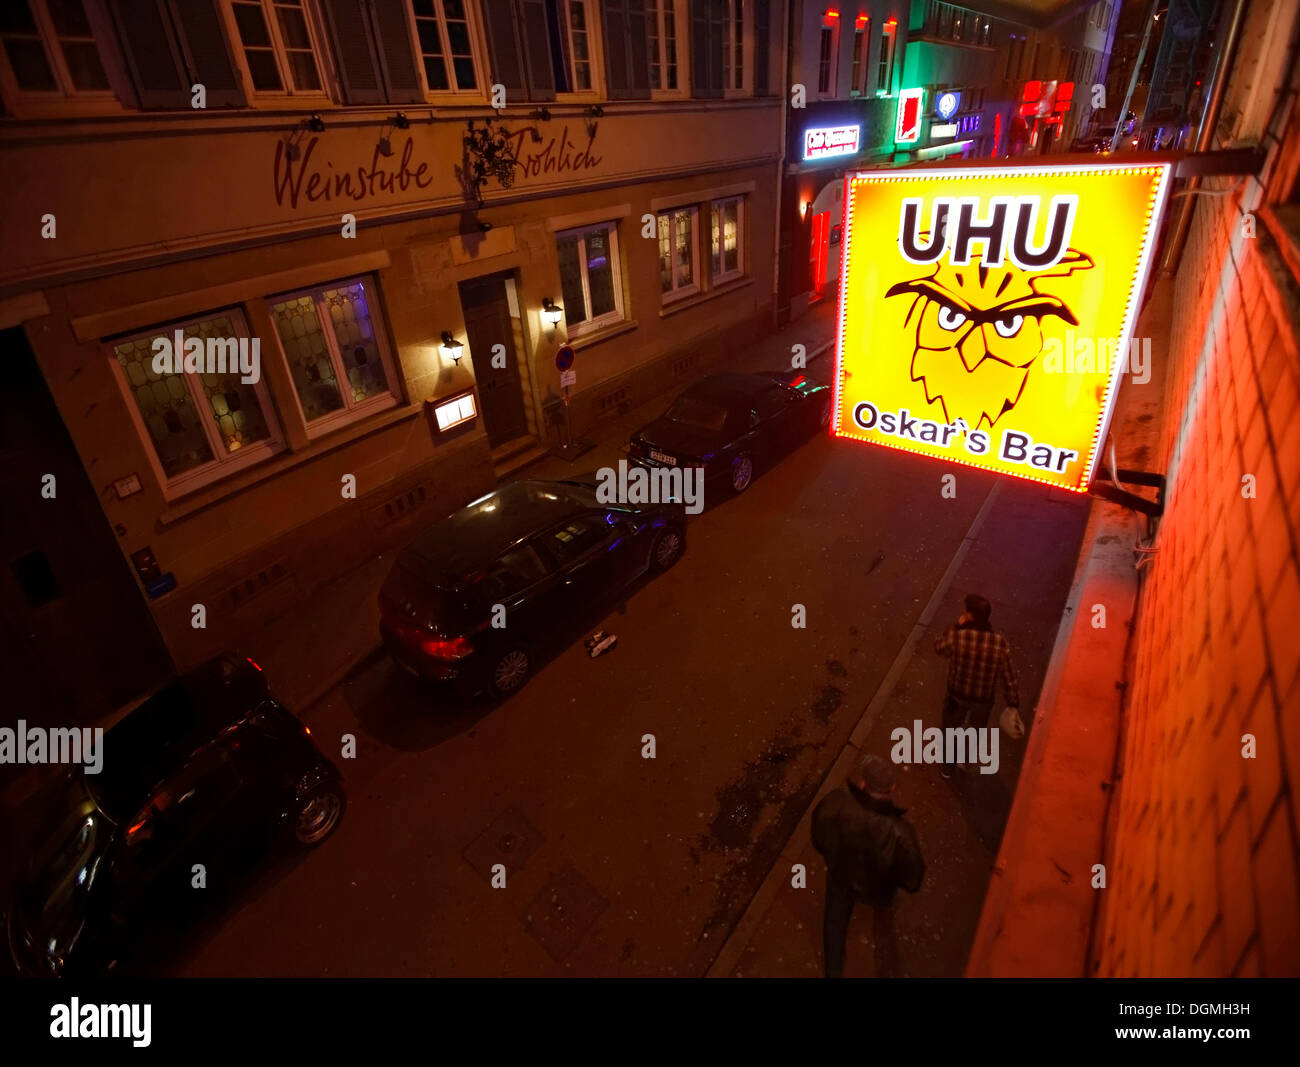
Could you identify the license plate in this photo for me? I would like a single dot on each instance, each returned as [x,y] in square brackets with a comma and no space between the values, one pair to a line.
[663,457]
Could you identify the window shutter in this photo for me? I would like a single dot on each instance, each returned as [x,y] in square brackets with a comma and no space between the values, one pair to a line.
[354,51]
[627,62]
[506,54]
[396,52]
[617,84]
[537,49]
[707,42]
[763,47]
[151,54]
[203,40]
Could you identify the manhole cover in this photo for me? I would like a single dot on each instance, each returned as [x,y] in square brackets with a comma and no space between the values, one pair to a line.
[562,912]
[510,839]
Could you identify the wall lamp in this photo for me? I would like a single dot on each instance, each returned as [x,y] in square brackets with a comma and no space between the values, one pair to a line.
[551,312]
[316,124]
[401,122]
[451,348]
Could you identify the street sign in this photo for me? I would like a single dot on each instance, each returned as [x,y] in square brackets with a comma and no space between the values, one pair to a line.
[568,378]
[564,358]
[986,312]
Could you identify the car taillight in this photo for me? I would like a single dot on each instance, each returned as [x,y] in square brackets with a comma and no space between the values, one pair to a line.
[438,648]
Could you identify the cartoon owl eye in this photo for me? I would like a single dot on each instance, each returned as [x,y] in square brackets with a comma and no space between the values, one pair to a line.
[950,318]
[1009,327]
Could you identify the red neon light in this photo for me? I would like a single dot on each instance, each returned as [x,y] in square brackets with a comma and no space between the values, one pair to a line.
[1033,91]
[831,13]
[862,20]
[892,22]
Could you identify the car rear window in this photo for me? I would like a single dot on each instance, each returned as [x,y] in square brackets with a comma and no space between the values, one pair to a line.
[431,601]
[506,576]
[698,411]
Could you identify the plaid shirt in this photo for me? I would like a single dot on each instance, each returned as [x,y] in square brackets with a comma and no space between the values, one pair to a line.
[979,659]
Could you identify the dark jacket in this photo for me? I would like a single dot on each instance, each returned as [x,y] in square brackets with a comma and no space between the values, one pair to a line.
[868,844]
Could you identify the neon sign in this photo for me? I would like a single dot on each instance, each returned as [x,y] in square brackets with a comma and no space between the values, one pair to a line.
[831,141]
[908,128]
[948,105]
[986,313]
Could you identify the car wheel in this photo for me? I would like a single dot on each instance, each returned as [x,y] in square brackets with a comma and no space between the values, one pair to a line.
[824,417]
[668,548]
[510,672]
[742,473]
[318,813]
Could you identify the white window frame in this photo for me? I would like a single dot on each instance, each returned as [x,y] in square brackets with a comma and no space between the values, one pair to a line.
[320,53]
[351,411]
[224,463]
[861,36]
[887,59]
[663,7]
[741,251]
[595,56]
[737,32]
[475,50]
[679,291]
[49,41]
[590,325]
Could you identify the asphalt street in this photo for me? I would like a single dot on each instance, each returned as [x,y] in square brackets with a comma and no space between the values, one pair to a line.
[617,864]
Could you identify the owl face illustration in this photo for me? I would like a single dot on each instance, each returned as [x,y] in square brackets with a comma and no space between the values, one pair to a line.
[978,330]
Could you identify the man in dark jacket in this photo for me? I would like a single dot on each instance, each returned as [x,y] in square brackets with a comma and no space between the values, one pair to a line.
[871,851]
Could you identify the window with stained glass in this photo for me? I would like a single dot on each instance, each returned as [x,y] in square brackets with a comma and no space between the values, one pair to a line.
[333,346]
[201,418]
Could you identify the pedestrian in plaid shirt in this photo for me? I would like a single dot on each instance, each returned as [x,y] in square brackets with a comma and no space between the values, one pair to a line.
[980,657]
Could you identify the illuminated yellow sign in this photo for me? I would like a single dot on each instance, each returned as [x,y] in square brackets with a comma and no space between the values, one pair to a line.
[986,313]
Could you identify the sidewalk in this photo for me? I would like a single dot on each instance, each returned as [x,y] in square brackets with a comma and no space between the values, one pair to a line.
[960,820]
[311,648]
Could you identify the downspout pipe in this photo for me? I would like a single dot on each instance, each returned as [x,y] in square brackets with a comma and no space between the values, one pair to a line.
[1205,135]
[780,166]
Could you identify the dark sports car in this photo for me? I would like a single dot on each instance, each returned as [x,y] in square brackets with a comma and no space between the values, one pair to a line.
[734,424]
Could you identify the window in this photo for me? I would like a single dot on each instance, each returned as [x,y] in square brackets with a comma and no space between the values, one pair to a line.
[661,30]
[861,43]
[507,576]
[202,419]
[885,74]
[568,542]
[985,31]
[677,243]
[339,368]
[443,37]
[570,41]
[589,277]
[277,46]
[50,47]
[728,218]
[733,46]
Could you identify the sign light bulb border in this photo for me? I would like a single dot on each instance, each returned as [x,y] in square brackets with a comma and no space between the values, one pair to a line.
[1154,210]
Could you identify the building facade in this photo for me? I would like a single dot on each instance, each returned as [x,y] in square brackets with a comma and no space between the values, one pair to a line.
[891,82]
[395,213]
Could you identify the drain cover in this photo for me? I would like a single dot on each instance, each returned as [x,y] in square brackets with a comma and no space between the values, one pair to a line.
[509,839]
[562,912]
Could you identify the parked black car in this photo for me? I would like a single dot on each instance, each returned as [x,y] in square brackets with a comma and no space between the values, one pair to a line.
[734,424]
[210,770]
[538,559]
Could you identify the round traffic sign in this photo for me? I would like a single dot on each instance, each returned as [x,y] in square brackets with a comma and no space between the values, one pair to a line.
[564,358]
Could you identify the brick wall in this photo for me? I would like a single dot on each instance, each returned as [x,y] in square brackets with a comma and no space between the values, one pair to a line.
[1203,854]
